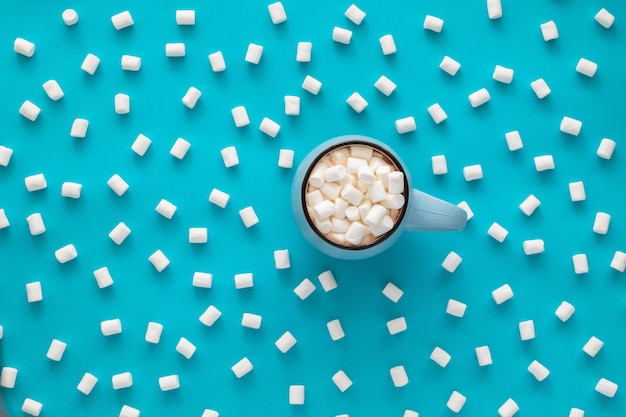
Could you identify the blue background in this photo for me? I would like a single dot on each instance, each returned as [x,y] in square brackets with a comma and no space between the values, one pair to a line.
[73,306]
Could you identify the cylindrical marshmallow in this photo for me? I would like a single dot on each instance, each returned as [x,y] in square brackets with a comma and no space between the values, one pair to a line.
[305,288]
[8,376]
[122,103]
[180,148]
[388,45]
[479,97]
[5,155]
[483,355]
[456,401]
[24,47]
[30,110]
[619,261]
[385,85]
[35,182]
[277,13]
[303,52]
[87,383]
[529,205]
[593,346]
[312,85]
[355,14]
[198,235]
[606,387]
[269,127]
[34,293]
[571,126]
[32,407]
[494,9]
[56,350]
[586,67]
[503,74]
[254,53]
[128,411]
[245,280]
[472,172]
[604,18]
[399,376]
[449,65]
[153,332]
[90,64]
[219,198]
[159,260]
[335,330]
[185,348]
[185,17]
[79,128]
[357,102]
[341,380]
[169,383]
[502,294]
[601,223]
[103,277]
[433,23]
[541,88]
[242,367]
[252,321]
[437,113]
[36,225]
[66,253]
[440,357]
[341,35]
[564,311]
[240,116]
[53,90]
[175,50]
[141,144]
[191,97]
[248,216]
[285,342]
[497,232]
[405,125]
[533,246]
[131,63]
[210,316]
[111,327]
[230,157]
[119,233]
[123,380]
[544,163]
[539,371]
[216,59]
[606,148]
[508,409]
[70,17]
[122,20]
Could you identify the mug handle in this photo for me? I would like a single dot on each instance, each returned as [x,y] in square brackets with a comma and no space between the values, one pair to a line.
[431,214]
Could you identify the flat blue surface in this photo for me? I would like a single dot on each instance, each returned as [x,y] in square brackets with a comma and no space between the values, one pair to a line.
[73,306]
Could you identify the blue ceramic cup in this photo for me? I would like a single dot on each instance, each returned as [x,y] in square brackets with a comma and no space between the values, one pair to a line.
[421,212]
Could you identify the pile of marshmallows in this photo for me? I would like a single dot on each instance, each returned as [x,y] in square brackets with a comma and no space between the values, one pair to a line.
[355,195]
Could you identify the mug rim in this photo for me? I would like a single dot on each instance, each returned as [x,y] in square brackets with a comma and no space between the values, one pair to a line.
[382,148]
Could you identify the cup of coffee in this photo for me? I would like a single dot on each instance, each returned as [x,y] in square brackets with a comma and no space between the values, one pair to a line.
[352,198]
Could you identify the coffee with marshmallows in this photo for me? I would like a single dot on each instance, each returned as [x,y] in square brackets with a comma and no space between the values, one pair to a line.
[355,195]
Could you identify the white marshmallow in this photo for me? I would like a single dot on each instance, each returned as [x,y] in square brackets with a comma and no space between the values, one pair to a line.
[539,371]
[533,246]
[467,208]
[122,103]
[269,127]
[277,13]
[36,225]
[53,90]
[355,233]
[456,308]
[153,332]
[335,330]
[604,18]
[581,266]
[352,213]
[479,97]
[440,357]
[202,280]
[601,223]
[219,198]
[122,20]
[529,205]
[242,367]
[577,191]
[494,9]
[119,233]
[385,85]
[30,110]
[541,88]
[123,380]
[296,394]
[483,355]
[34,293]
[141,144]
[1,332]
[103,277]
[576,412]
[564,311]
[571,126]
[56,350]
[35,182]
[198,235]
[376,215]
[24,47]
[304,289]
[312,85]
[586,67]
[230,157]
[70,17]
[355,14]
[593,346]
[254,53]
[407,413]
[185,348]
[79,128]
[437,113]
[353,164]
[472,172]
[357,102]
[606,148]
[180,148]
[292,105]
[8,376]
[128,411]
[341,35]
[285,342]
[388,45]
[456,401]
[87,383]
[549,31]
[185,17]
[281,259]
[32,407]
[502,294]
[513,140]
[366,175]
[433,23]
[252,321]
[619,261]
[216,59]
[527,329]
[191,97]
[508,409]
[303,52]
[175,50]
[111,327]
[342,381]
[399,376]
[497,232]
[159,260]
[450,65]
[248,216]
[5,155]
[4,220]
[397,325]
[285,158]
[131,63]
[392,292]
[327,280]
[90,64]
[334,173]
[324,210]
[440,166]
[244,281]
[406,125]
[169,383]
[240,116]
[451,262]
[66,253]
[606,387]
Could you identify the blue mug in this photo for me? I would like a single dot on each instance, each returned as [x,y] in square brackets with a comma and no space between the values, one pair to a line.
[421,212]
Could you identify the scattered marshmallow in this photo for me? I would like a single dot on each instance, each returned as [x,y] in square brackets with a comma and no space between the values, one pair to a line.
[202,280]
[483,354]
[34,293]
[586,67]
[244,281]
[212,313]
[219,198]
[198,235]
[185,348]
[216,59]
[303,52]
[503,74]
[122,103]
[292,105]
[541,88]
[342,381]
[304,289]
[312,85]
[576,412]
[4,220]
[606,387]
[119,233]
[577,191]
[153,332]
[242,367]
[122,20]
[494,9]
[90,64]
[111,327]
[24,47]
[285,342]
[141,144]
[388,45]
[437,113]
[399,376]
[451,262]
[159,260]
[335,330]
[355,14]
[128,411]
[191,97]
[180,148]
[285,158]
[508,409]
[8,376]
[450,65]
[281,259]
[472,172]
[385,85]
[619,261]
[341,35]
[248,216]
[456,401]
[544,163]
[36,225]
[357,102]
[254,53]
[327,279]
[35,182]
[169,383]
[185,17]
[604,18]
[433,23]
[497,232]
[175,50]
[467,208]
[66,253]
[296,394]
[269,127]
[571,126]
[456,308]
[123,380]
[5,155]
[396,326]
[440,357]
[240,116]
[601,223]
[230,157]
[252,321]
[53,90]
[564,311]
[392,292]
[79,128]
[87,383]
[406,125]
[593,346]
[30,110]
[581,266]
[32,407]
[513,140]
[527,330]
[407,413]
[277,13]
[56,350]
[606,148]
[70,17]
[103,277]
[131,63]
[529,205]
[533,246]
[502,294]
[549,31]
[479,97]
[539,371]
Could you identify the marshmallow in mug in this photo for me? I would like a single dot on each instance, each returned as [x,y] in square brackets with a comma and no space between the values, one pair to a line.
[355,195]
